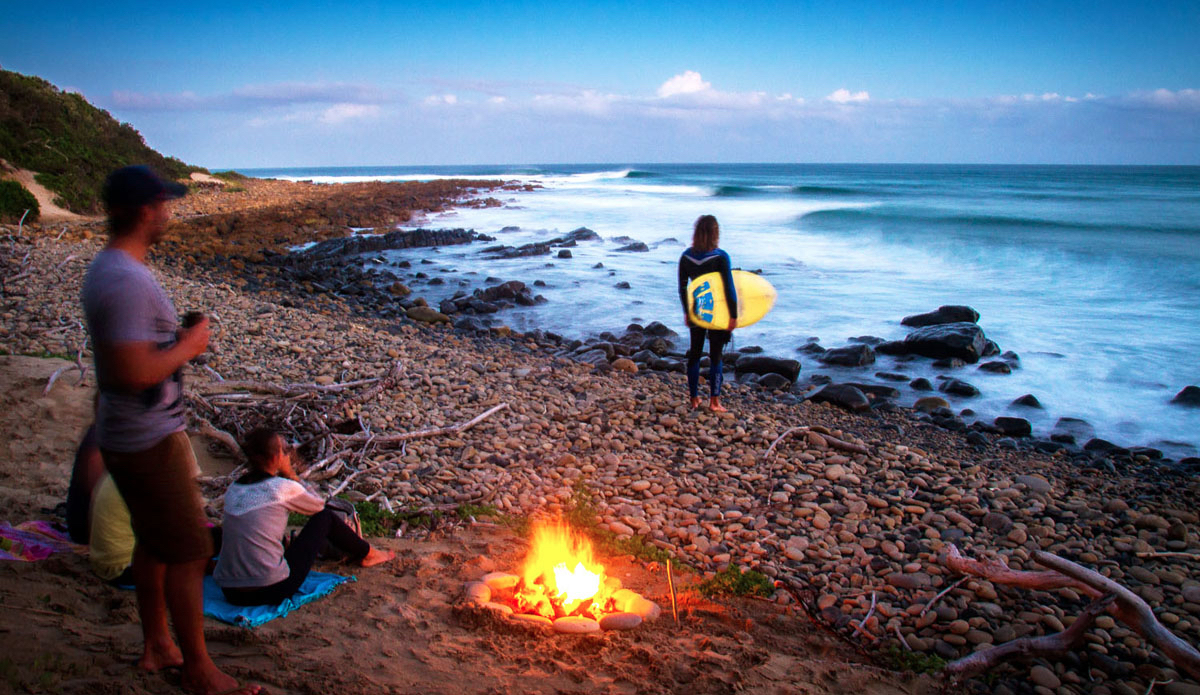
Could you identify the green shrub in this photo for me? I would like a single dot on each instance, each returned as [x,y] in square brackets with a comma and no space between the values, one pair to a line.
[230,175]
[15,199]
[70,143]
[731,581]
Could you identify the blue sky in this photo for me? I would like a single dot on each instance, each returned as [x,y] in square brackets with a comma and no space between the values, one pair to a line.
[274,84]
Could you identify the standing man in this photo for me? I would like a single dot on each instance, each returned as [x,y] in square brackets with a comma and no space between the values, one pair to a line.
[139,352]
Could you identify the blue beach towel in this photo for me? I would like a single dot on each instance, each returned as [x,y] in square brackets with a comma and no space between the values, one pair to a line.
[317,584]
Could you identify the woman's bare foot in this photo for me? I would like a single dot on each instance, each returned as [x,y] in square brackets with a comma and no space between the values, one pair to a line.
[695,402]
[715,406]
[376,557]
[160,656]
[212,681]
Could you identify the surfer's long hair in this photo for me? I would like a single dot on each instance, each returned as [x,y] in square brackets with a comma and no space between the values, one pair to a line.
[706,234]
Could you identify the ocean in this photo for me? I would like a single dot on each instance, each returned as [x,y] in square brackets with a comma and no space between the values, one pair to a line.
[1090,274]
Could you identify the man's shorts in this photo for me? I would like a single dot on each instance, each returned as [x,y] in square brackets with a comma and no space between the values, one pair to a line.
[159,487]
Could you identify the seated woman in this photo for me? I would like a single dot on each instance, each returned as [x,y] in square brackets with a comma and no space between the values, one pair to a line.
[254,569]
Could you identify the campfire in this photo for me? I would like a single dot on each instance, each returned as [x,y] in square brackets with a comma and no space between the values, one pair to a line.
[561,584]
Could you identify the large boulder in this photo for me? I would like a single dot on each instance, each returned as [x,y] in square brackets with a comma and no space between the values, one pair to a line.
[858,355]
[962,340]
[758,364]
[945,314]
[843,395]
[1189,396]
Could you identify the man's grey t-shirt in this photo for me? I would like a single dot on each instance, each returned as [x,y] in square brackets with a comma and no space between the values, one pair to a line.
[124,303]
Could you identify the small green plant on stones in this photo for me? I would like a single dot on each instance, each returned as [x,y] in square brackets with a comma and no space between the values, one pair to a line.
[917,662]
[732,581]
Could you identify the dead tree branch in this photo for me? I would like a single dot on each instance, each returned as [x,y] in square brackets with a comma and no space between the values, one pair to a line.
[1054,645]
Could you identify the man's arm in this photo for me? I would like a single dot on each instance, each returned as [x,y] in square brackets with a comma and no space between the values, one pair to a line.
[136,366]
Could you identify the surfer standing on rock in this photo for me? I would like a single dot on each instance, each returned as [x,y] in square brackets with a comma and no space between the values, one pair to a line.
[701,258]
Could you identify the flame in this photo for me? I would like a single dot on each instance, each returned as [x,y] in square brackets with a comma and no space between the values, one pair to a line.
[561,574]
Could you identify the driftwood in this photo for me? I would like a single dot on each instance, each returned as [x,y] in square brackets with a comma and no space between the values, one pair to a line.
[1000,573]
[418,434]
[1054,645]
[822,438]
[1124,605]
[1131,610]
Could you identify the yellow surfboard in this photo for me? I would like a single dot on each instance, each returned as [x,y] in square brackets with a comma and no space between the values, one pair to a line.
[707,306]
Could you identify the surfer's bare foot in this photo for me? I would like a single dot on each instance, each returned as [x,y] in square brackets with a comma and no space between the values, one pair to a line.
[156,657]
[695,402]
[715,406]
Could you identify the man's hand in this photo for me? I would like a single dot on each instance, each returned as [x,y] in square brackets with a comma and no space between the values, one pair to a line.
[732,324]
[194,340]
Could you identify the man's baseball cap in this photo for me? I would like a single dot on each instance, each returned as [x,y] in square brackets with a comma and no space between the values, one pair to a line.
[135,186]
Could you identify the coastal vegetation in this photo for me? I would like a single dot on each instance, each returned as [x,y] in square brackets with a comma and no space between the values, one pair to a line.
[16,201]
[71,144]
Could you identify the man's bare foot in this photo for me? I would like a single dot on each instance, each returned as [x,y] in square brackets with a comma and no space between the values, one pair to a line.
[695,402]
[160,656]
[376,557]
[715,406]
[212,681]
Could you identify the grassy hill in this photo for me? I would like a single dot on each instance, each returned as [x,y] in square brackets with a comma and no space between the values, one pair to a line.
[70,143]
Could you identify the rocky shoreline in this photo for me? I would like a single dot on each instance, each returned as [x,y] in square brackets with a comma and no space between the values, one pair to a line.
[594,417]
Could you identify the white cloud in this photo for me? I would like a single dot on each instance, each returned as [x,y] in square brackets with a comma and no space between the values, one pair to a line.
[441,99]
[688,82]
[339,113]
[845,96]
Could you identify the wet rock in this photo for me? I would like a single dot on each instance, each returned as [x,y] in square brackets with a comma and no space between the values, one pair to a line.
[850,356]
[958,387]
[1189,396]
[949,363]
[1013,426]
[891,376]
[876,390]
[758,364]
[635,247]
[921,384]
[564,253]
[774,381]
[842,395]
[965,341]
[996,367]
[1104,447]
[623,285]
[427,315]
[929,404]
[944,314]
[1028,401]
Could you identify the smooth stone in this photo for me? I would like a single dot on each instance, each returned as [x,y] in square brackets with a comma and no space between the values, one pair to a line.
[929,404]
[1044,677]
[576,625]
[640,485]
[647,609]
[498,607]
[533,619]
[499,581]
[620,621]
[478,593]
[1035,483]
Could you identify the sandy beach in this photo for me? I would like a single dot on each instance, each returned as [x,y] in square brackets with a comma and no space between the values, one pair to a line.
[843,526]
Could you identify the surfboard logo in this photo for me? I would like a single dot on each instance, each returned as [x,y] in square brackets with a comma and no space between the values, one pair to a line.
[702,301]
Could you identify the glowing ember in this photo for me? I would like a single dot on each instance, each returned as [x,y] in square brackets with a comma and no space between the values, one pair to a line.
[561,576]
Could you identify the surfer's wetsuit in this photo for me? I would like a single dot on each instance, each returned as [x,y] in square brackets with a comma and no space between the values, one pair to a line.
[693,264]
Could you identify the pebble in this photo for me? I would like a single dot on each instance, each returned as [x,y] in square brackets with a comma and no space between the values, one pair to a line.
[576,625]
[1044,677]
[620,621]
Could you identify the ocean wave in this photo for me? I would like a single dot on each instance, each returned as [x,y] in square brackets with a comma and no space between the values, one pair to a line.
[733,191]
[907,216]
[637,174]
[833,191]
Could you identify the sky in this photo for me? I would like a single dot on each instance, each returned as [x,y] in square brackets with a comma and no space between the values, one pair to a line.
[265,84]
